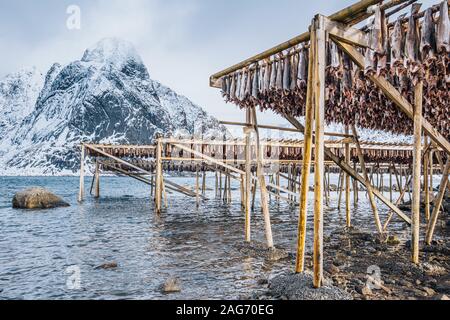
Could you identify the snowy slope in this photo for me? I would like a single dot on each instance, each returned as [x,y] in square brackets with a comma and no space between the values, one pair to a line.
[106,97]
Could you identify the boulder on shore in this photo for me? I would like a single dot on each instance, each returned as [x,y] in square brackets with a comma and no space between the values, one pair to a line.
[37,198]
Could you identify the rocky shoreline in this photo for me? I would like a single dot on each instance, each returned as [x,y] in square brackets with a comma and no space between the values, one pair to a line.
[360,264]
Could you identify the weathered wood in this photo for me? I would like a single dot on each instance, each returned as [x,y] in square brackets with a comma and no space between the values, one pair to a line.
[81,191]
[172,184]
[347,184]
[392,93]
[262,185]
[426,181]
[306,168]
[248,177]
[347,15]
[438,204]
[97,180]
[320,65]
[341,164]
[370,189]
[417,167]
[158,193]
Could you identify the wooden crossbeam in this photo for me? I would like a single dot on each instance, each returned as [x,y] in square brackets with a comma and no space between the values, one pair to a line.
[355,175]
[139,169]
[392,93]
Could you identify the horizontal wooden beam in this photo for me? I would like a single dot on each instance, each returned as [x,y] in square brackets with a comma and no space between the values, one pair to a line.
[346,34]
[392,93]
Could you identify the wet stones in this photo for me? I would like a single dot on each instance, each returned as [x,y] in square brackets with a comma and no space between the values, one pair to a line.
[299,287]
[259,250]
[37,198]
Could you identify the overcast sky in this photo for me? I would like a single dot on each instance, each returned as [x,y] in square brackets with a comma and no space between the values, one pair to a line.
[182,42]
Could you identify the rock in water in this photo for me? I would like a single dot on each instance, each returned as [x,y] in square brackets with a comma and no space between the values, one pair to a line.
[37,198]
[172,285]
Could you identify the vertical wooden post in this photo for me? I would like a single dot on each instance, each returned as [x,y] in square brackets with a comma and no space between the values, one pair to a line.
[368,184]
[81,191]
[248,177]
[417,166]
[391,194]
[307,154]
[152,183]
[158,178]
[197,187]
[97,180]
[347,183]
[262,184]
[320,65]
[217,184]
[437,204]
[426,180]
[355,187]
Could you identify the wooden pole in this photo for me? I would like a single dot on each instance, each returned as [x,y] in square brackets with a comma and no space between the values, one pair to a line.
[262,185]
[97,180]
[347,183]
[81,191]
[248,178]
[158,180]
[426,180]
[417,166]
[307,154]
[438,204]
[369,187]
[197,187]
[320,65]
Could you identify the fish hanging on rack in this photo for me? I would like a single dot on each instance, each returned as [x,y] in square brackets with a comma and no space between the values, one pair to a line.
[243,83]
[428,39]
[273,76]
[412,55]
[443,29]
[248,85]
[279,79]
[286,74]
[268,68]
[383,59]
[294,70]
[238,86]
[370,64]
[396,42]
[255,84]
[233,88]
[303,67]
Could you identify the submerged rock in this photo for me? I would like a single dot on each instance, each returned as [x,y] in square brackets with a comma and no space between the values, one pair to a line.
[172,285]
[300,287]
[107,266]
[37,198]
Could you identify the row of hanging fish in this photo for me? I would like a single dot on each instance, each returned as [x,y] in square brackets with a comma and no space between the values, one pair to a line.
[402,52]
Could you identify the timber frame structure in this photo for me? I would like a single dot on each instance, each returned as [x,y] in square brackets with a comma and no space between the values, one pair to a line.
[339,29]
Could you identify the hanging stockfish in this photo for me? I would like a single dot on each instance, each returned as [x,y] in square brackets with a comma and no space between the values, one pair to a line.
[443,29]
[273,76]
[302,76]
[248,85]
[267,73]
[428,39]
[397,47]
[412,55]
[245,74]
[233,88]
[255,84]
[279,79]
[238,86]
[370,56]
[384,57]
[294,70]
[286,74]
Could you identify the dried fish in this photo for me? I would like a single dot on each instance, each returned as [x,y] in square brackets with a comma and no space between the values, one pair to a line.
[255,91]
[273,76]
[443,29]
[412,58]
[286,73]
[397,45]
[303,67]
[279,79]
[428,39]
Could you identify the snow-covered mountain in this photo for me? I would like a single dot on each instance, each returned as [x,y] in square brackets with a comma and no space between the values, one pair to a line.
[106,97]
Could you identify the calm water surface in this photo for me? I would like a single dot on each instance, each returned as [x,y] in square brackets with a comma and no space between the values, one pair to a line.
[38,248]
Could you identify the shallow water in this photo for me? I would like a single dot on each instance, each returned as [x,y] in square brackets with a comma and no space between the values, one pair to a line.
[38,249]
